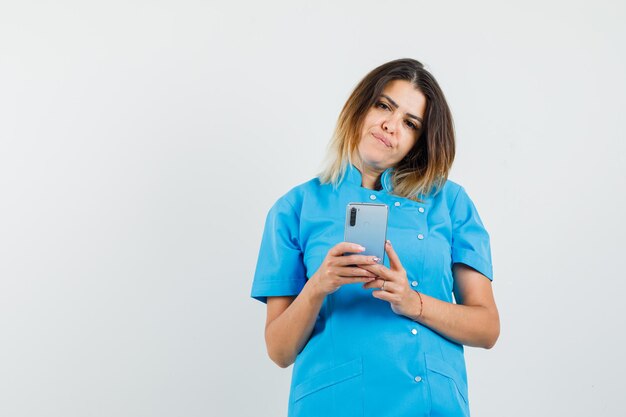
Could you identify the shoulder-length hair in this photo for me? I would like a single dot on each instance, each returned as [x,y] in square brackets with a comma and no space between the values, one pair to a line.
[425,168]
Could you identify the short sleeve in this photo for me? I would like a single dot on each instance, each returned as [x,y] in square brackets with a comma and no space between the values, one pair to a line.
[280,269]
[470,240]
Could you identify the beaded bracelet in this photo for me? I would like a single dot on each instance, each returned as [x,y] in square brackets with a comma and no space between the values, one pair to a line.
[421,304]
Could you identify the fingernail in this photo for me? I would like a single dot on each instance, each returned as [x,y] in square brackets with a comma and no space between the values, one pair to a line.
[375,259]
[360,247]
[389,242]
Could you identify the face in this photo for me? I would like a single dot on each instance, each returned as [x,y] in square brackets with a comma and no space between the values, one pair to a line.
[391,127]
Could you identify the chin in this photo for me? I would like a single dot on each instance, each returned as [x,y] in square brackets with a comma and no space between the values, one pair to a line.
[372,156]
[375,162]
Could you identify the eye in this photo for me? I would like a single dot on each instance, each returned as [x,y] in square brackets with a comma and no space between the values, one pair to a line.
[382,105]
[411,125]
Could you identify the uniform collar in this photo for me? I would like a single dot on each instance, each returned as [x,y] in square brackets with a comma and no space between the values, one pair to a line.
[353,176]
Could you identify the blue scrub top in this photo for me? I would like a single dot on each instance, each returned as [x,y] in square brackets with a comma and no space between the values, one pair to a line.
[362,359]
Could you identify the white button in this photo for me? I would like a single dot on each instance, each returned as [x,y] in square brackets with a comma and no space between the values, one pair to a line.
[421,209]
[372,197]
[420,236]
[418,378]
[397,204]
[414,283]
[414,331]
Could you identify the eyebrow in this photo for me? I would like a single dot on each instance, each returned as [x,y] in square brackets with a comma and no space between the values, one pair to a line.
[396,106]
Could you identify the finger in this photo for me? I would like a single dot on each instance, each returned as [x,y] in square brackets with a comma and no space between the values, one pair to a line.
[352,280]
[394,260]
[340,248]
[382,295]
[354,272]
[390,287]
[356,260]
[375,284]
[380,270]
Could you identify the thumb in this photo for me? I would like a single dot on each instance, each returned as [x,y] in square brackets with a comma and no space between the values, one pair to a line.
[394,260]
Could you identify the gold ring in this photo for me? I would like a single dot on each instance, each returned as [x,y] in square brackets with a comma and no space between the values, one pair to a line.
[383,287]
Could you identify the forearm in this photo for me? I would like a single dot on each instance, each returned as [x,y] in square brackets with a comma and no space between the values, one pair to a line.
[476,326]
[287,334]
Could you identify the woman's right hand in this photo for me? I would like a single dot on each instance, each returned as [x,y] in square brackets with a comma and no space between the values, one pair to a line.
[337,270]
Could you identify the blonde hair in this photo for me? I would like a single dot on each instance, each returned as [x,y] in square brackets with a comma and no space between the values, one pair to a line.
[425,168]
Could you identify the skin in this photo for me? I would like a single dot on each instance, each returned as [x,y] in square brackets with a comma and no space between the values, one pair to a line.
[473,321]
[388,121]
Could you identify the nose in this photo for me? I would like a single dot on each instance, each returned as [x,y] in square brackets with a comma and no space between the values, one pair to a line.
[389,124]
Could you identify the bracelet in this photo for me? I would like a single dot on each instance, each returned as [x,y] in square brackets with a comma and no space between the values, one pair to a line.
[421,304]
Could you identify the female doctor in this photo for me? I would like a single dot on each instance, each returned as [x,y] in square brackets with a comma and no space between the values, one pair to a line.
[368,338]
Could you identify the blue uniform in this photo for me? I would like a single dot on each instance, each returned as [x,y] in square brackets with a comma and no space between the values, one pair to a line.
[362,359]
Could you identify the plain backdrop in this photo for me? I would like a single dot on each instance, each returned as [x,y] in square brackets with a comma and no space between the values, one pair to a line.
[143,142]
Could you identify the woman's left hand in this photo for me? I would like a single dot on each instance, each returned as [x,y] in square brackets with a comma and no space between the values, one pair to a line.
[396,290]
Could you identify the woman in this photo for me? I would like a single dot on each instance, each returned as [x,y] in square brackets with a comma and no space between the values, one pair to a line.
[393,345]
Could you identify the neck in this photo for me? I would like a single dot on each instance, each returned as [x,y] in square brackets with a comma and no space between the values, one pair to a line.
[369,176]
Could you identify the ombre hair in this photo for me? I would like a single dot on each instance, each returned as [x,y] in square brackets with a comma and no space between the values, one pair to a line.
[425,168]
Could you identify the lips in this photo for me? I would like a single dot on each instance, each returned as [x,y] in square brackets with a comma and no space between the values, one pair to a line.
[382,139]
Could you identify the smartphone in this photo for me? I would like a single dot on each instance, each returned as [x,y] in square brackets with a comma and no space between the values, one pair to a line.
[366,225]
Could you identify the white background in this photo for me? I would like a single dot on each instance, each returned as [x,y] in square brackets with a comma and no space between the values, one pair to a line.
[142,143]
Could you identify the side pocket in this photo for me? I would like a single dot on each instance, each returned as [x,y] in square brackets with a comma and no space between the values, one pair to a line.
[328,378]
[447,390]
[335,390]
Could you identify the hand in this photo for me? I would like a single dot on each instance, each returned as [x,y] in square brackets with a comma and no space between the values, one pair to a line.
[397,290]
[337,270]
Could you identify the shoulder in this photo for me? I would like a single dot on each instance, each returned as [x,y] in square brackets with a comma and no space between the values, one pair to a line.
[450,192]
[454,198]
[295,197]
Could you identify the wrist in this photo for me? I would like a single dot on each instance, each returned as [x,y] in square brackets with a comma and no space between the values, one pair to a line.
[314,289]
[418,306]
